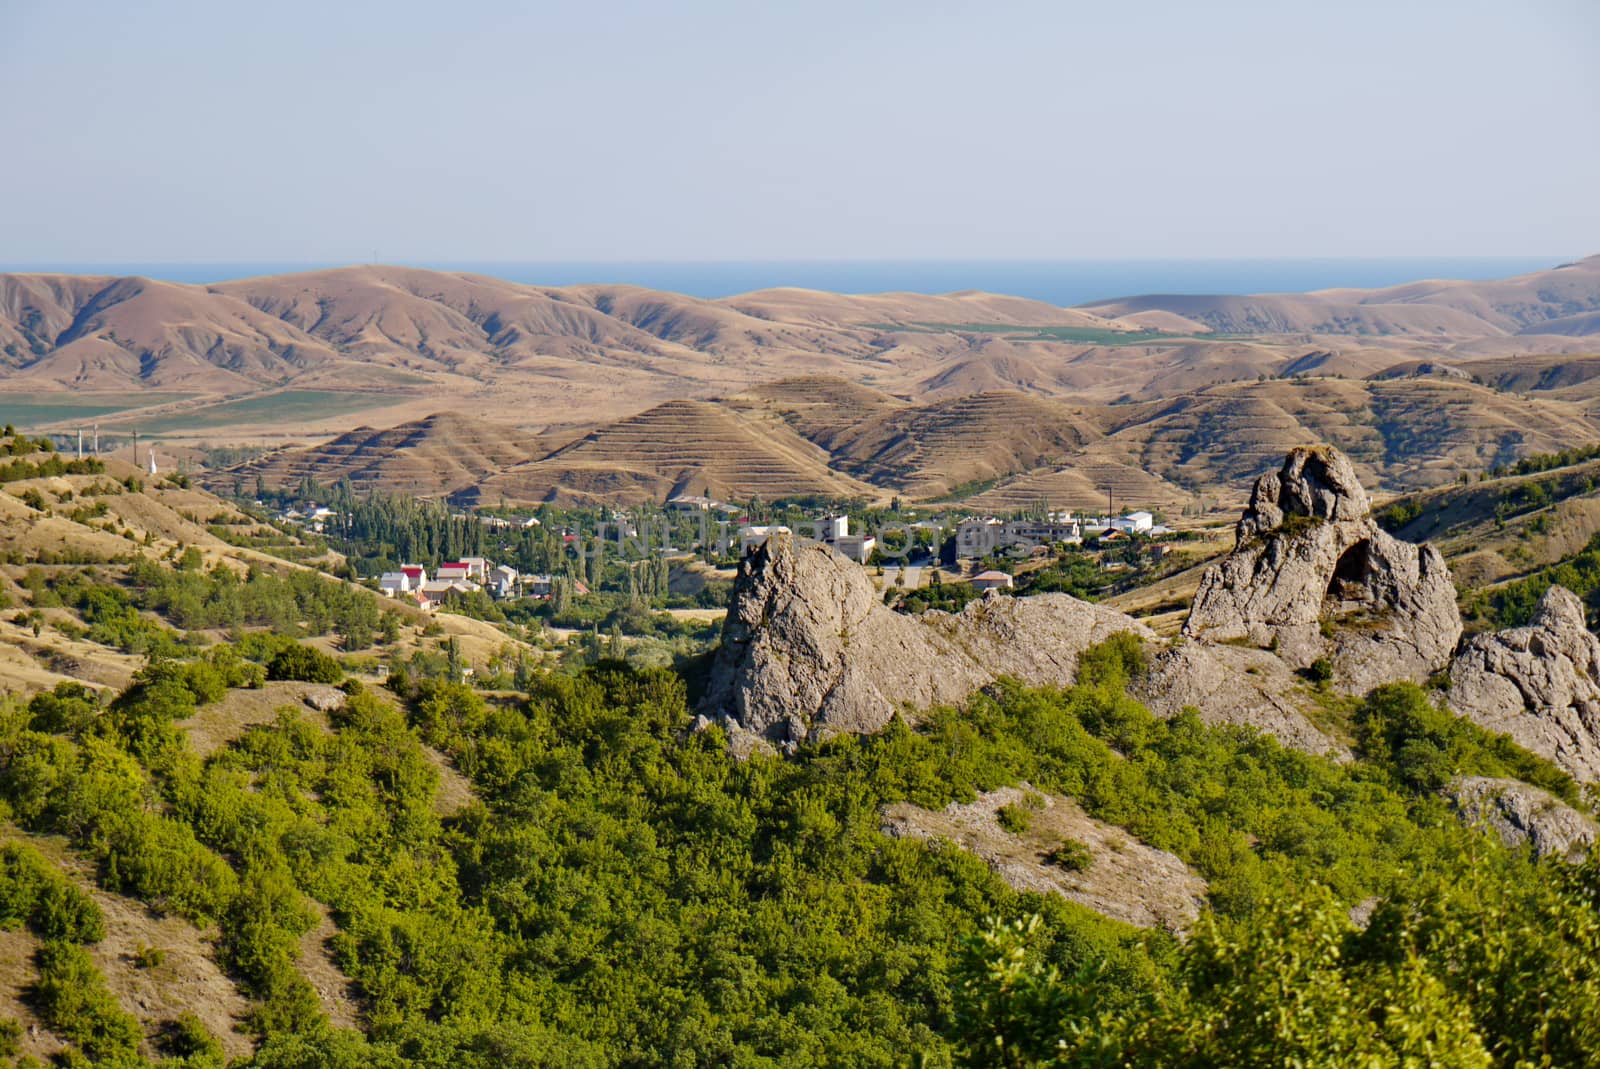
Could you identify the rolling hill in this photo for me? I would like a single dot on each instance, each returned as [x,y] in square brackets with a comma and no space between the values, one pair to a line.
[1562,300]
[690,447]
[430,457]
[385,345]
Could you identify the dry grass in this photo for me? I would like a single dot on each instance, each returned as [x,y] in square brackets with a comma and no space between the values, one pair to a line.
[188,980]
[1126,880]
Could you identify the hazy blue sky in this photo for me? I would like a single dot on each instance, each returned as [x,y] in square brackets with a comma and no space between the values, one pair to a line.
[327,131]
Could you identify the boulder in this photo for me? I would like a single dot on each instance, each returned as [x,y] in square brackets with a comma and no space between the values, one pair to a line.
[1521,814]
[1313,576]
[809,650]
[1537,684]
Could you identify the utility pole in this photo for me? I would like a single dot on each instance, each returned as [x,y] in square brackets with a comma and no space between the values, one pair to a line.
[80,443]
[97,439]
[136,449]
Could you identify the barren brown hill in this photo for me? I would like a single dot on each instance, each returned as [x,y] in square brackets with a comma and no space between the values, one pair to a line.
[1090,483]
[295,357]
[430,457]
[817,406]
[87,332]
[929,450]
[680,447]
[791,305]
[1404,433]
[1561,300]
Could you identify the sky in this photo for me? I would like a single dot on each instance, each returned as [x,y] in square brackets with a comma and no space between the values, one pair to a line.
[705,130]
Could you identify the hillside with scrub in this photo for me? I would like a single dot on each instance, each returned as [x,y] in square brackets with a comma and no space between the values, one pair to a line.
[256,815]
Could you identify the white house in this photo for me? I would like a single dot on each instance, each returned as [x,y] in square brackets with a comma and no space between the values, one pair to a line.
[392,583]
[835,532]
[503,581]
[857,547]
[1134,523]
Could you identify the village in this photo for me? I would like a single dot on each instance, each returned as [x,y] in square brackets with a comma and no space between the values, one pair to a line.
[712,535]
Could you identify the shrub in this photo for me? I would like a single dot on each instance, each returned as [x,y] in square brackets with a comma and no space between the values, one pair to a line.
[305,664]
[34,893]
[1015,819]
[1113,663]
[1071,855]
[74,1002]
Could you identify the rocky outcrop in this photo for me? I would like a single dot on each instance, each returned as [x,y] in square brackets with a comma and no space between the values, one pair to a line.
[1520,814]
[1539,684]
[1113,873]
[1313,576]
[1234,685]
[808,649]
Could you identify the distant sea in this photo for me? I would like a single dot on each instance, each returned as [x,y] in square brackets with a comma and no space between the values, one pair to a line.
[1062,282]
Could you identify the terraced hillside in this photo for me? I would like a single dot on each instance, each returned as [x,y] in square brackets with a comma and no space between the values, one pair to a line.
[1496,528]
[680,447]
[1408,433]
[302,356]
[930,450]
[1091,484]
[431,457]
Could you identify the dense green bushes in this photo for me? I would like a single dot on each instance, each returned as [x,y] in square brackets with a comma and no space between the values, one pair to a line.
[1512,604]
[34,894]
[619,890]
[1425,747]
[304,663]
[74,1002]
[1482,965]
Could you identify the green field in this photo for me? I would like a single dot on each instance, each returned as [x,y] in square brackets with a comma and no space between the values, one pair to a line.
[29,410]
[284,408]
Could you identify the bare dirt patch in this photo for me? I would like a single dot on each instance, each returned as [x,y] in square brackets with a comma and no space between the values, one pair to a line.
[1123,879]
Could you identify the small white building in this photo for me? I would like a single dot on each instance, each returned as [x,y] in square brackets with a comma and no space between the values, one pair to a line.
[857,547]
[394,583]
[1134,523]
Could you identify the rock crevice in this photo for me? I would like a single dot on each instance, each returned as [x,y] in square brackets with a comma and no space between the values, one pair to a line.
[1313,576]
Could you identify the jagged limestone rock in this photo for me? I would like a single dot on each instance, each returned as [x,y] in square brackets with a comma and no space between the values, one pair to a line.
[808,649]
[1234,685]
[1519,813]
[1313,576]
[1537,684]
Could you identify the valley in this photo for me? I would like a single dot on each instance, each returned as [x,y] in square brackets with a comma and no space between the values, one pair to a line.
[343,726]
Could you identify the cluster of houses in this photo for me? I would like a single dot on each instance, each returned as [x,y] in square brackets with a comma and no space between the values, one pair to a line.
[464,576]
[315,518]
[981,536]
[833,532]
